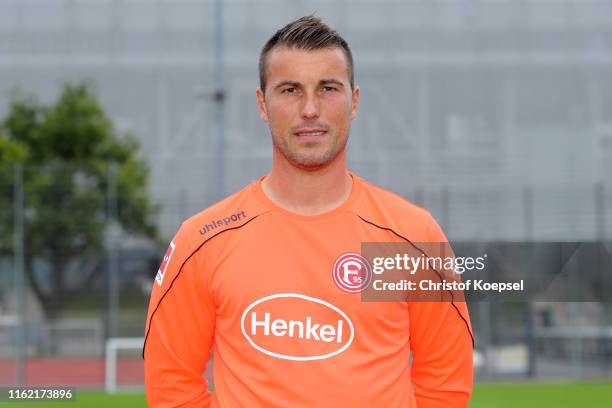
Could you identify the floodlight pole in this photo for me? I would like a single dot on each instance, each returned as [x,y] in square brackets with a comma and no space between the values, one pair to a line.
[18,236]
[112,244]
[219,99]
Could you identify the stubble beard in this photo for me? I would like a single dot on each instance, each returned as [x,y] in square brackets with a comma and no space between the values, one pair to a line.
[306,156]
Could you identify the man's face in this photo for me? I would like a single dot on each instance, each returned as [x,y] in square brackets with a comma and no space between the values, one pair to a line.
[308,104]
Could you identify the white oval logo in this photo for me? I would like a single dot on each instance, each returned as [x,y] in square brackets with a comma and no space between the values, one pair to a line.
[296,327]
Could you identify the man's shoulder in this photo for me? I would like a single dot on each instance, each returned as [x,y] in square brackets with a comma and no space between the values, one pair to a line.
[392,201]
[231,212]
[390,210]
[377,198]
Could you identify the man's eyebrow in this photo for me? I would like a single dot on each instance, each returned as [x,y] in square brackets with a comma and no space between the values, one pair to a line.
[287,82]
[330,81]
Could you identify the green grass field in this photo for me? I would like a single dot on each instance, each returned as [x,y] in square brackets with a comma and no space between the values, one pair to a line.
[558,395]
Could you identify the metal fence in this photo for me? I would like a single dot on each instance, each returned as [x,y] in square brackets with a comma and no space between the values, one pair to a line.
[105,292]
[65,286]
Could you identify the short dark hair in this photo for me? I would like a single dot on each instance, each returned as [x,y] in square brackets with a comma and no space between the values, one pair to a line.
[306,33]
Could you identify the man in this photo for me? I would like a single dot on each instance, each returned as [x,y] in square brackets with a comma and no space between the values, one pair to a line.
[266,277]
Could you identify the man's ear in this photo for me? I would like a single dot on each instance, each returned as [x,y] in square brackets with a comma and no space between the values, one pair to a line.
[261,105]
[355,102]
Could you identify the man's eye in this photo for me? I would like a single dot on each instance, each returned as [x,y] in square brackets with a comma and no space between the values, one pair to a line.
[329,88]
[289,90]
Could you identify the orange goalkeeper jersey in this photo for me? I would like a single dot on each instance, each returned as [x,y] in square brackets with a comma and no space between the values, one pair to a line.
[258,287]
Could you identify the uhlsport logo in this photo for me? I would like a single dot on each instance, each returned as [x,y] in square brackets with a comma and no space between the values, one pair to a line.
[159,278]
[292,326]
[352,272]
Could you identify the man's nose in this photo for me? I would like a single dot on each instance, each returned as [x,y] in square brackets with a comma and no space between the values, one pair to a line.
[310,108]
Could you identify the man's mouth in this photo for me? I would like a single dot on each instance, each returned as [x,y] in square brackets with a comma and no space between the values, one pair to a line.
[310,132]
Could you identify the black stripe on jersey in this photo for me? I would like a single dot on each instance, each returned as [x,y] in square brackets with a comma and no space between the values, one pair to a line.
[179,272]
[467,326]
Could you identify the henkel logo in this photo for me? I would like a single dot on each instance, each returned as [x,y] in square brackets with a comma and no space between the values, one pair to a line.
[159,278]
[296,327]
[352,272]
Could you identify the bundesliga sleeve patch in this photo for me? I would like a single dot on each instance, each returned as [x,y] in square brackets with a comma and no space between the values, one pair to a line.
[162,268]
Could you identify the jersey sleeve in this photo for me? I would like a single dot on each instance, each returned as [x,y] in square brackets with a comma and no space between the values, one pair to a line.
[179,331]
[442,348]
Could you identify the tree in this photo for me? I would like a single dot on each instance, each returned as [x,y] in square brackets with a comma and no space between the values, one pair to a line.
[71,153]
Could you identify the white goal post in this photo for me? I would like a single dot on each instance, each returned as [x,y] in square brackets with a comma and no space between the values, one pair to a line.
[112,346]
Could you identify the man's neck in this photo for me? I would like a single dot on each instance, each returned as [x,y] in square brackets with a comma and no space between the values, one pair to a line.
[308,192]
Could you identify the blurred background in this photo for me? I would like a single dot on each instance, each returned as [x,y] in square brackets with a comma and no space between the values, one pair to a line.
[121,118]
